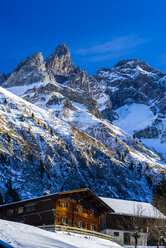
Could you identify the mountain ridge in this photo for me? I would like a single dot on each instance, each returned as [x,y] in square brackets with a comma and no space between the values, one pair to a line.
[67,121]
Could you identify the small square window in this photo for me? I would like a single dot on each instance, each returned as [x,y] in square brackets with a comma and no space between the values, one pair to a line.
[92,211]
[80,224]
[20,210]
[64,204]
[62,220]
[116,234]
[29,208]
[92,227]
[80,209]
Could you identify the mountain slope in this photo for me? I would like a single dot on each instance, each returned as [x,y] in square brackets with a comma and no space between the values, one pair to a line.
[136,90]
[40,151]
[58,135]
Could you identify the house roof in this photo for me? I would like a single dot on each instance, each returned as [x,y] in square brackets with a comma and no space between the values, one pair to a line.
[85,195]
[133,208]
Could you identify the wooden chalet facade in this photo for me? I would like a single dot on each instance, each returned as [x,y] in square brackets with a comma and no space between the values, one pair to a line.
[83,209]
[79,208]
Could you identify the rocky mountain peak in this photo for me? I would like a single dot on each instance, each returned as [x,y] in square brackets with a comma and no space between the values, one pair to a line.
[59,64]
[62,50]
[31,62]
[30,70]
[128,62]
[134,64]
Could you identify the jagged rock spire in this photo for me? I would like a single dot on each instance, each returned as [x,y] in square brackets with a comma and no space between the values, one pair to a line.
[59,64]
[62,50]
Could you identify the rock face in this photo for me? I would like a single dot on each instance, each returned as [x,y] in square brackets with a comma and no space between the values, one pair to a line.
[29,71]
[59,64]
[132,82]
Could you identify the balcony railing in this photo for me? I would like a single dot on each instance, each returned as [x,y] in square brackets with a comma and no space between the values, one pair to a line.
[76,230]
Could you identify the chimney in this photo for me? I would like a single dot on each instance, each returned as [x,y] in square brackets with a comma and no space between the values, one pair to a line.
[47,192]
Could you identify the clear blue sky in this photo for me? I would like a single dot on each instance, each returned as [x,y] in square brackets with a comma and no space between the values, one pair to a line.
[98,33]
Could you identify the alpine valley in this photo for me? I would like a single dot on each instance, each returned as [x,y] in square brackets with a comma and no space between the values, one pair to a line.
[61,129]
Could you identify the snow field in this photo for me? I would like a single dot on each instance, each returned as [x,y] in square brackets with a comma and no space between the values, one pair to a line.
[21,235]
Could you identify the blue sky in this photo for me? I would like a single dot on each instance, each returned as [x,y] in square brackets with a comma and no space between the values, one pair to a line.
[98,33]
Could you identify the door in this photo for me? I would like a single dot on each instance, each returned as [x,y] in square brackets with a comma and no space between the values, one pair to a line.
[127,238]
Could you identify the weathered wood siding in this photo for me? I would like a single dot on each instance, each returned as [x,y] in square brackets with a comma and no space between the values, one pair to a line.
[122,222]
[35,212]
[78,208]
[69,212]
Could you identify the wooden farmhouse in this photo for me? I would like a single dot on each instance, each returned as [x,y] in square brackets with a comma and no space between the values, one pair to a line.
[82,209]
[78,208]
[130,218]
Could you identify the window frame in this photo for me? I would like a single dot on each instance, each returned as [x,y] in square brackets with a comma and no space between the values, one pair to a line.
[20,208]
[64,204]
[80,209]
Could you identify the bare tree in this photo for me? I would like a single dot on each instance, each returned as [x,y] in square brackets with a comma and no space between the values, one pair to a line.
[157,226]
[135,224]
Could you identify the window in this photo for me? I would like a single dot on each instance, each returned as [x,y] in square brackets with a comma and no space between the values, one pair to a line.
[92,211]
[62,220]
[10,212]
[29,208]
[65,204]
[80,224]
[116,234]
[92,227]
[80,209]
[20,210]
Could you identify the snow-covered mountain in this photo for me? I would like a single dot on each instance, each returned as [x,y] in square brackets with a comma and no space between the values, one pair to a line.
[57,134]
[137,93]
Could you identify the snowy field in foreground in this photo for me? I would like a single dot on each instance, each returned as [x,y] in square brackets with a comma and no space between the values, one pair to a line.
[129,246]
[21,235]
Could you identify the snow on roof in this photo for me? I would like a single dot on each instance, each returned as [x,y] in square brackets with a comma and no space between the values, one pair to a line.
[133,208]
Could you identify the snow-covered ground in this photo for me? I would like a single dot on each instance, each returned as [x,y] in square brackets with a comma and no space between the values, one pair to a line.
[137,117]
[21,235]
[134,117]
[18,90]
[129,246]
[156,145]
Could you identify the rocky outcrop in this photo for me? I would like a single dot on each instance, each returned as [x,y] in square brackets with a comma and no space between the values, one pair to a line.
[60,66]
[80,82]
[132,81]
[29,71]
